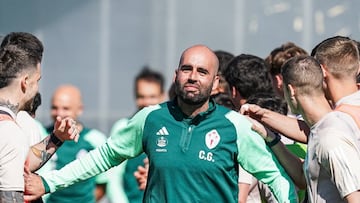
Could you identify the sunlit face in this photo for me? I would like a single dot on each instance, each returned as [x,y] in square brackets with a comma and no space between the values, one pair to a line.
[32,84]
[65,104]
[148,93]
[196,76]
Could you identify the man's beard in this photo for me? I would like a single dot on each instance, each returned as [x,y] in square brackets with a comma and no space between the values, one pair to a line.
[194,99]
[28,106]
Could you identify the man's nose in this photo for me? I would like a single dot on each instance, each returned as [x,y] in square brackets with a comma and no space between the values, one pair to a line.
[193,76]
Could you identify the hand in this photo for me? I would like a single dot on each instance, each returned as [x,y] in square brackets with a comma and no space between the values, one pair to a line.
[141,174]
[252,110]
[34,187]
[66,129]
[265,133]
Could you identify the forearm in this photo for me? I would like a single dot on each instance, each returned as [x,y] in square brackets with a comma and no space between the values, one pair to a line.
[353,197]
[244,190]
[40,153]
[290,127]
[264,165]
[291,163]
[95,162]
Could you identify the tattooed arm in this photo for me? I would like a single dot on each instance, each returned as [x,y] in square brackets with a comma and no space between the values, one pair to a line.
[39,154]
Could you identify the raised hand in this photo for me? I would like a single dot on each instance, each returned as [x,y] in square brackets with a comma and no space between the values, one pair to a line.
[66,129]
[253,110]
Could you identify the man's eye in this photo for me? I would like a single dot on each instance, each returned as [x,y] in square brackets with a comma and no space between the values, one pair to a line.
[202,72]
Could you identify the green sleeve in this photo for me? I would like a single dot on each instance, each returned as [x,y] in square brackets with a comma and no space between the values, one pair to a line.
[96,139]
[256,158]
[126,143]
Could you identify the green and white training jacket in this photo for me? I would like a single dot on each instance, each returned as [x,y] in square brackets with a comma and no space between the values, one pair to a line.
[191,159]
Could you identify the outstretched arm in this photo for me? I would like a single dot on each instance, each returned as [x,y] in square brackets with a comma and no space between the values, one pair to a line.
[39,154]
[290,127]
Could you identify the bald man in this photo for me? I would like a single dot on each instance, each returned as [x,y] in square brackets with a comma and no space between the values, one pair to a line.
[67,102]
[194,145]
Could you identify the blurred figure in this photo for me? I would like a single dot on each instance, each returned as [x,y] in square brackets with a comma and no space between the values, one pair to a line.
[224,58]
[67,102]
[148,90]
[277,58]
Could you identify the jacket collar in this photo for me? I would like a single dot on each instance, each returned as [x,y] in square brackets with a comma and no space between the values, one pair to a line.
[180,116]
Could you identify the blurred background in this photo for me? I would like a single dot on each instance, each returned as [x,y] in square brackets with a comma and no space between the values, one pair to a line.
[100,45]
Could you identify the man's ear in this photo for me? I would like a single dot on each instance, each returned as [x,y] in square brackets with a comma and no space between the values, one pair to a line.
[216,83]
[279,81]
[233,92]
[24,83]
[324,70]
[175,74]
[292,90]
[80,110]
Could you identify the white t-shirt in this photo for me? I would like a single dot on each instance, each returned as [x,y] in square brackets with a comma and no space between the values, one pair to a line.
[14,146]
[332,163]
[29,125]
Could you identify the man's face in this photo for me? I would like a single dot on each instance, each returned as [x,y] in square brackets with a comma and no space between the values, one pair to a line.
[148,93]
[195,77]
[32,83]
[65,105]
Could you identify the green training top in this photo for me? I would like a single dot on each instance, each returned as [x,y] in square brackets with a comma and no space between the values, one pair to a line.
[191,159]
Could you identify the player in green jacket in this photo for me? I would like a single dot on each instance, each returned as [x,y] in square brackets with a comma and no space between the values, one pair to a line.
[194,146]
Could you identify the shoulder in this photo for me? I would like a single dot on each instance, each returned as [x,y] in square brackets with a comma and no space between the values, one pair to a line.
[147,110]
[337,130]
[94,136]
[234,117]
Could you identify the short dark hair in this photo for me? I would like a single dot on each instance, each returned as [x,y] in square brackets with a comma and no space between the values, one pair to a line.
[224,58]
[27,42]
[19,51]
[249,75]
[150,75]
[269,101]
[224,99]
[303,72]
